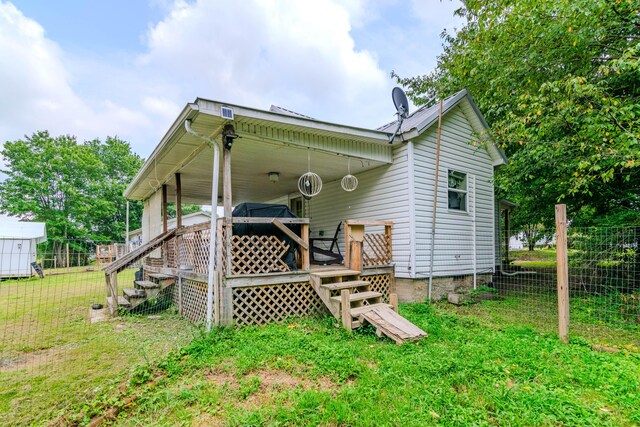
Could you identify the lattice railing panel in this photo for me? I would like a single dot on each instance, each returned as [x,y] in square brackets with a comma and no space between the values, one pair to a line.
[265,304]
[376,249]
[171,254]
[194,299]
[193,250]
[258,254]
[380,283]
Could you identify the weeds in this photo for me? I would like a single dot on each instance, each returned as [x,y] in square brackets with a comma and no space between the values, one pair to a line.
[307,372]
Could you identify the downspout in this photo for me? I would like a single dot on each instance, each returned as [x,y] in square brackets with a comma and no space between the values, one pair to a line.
[435,201]
[475,242]
[212,281]
[412,209]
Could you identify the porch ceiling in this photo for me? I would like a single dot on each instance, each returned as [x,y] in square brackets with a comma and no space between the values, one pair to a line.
[263,147]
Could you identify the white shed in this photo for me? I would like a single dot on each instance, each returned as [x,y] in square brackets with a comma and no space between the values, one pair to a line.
[18,247]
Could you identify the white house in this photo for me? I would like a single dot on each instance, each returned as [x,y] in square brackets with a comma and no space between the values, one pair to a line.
[18,247]
[135,236]
[396,180]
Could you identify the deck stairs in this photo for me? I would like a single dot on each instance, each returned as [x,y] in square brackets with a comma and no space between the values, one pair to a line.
[350,299]
[143,290]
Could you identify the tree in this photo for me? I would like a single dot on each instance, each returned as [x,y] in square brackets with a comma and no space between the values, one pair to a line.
[75,188]
[186,209]
[559,84]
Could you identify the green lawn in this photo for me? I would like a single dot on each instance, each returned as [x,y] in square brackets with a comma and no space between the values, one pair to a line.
[308,372]
[493,363]
[52,357]
[535,258]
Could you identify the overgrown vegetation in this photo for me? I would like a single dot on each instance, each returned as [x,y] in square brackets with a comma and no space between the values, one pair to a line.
[307,372]
[558,82]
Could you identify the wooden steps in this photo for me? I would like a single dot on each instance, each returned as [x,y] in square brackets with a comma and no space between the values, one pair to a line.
[143,291]
[122,301]
[134,293]
[391,324]
[350,299]
[146,284]
[340,272]
[345,285]
[360,296]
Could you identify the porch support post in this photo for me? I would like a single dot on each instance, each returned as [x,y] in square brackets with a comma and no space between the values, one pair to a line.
[212,282]
[212,279]
[164,208]
[165,247]
[226,188]
[178,201]
[304,230]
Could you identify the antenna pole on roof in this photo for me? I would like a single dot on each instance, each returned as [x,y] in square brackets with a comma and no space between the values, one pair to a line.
[402,107]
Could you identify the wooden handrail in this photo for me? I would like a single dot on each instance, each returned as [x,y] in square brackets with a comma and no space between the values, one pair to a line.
[268,220]
[368,222]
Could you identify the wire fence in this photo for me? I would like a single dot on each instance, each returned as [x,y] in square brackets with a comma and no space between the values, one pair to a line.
[56,334]
[604,285]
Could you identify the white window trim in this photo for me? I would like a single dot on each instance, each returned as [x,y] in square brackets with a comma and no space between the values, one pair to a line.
[456,190]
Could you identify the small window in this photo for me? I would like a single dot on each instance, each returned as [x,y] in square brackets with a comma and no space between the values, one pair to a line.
[457,191]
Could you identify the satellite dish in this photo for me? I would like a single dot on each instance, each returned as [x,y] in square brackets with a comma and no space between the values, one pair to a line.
[401,102]
[402,107]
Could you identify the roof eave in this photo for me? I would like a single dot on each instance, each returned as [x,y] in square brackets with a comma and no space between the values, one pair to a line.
[188,112]
[375,136]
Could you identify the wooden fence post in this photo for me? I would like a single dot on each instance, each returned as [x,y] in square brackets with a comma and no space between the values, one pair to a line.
[563,272]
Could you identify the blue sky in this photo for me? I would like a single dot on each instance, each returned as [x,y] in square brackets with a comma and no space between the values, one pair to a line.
[94,68]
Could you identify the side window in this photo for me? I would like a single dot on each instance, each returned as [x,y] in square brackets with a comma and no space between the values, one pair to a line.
[457,191]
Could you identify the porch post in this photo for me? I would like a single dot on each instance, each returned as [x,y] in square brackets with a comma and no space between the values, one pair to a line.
[226,188]
[226,299]
[165,246]
[178,201]
[164,208]
[212,279]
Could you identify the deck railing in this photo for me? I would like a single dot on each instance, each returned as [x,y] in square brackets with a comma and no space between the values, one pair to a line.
[368,243]
[263,254]
[238,255]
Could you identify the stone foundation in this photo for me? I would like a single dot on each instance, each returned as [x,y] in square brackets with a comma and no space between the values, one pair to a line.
[417,290]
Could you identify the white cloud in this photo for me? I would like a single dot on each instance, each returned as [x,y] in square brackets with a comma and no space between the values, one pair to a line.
[296,54]
[38,94]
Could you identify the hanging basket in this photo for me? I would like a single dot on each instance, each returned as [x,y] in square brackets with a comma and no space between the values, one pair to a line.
[349,183]
[310,184]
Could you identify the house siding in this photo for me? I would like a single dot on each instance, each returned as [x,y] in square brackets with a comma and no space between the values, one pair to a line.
[453,249]
[382,193]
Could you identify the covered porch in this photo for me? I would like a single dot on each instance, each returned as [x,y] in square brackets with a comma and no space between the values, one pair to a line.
[220,277]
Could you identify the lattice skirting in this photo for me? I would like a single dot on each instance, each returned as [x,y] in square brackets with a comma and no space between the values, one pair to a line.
[194,299]
[380,283]
[273,303]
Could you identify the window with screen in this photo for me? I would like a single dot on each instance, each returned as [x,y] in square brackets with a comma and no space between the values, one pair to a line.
[457,191]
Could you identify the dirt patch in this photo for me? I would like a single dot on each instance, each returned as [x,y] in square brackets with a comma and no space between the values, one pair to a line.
[32,359]
[207,420]
[257,388]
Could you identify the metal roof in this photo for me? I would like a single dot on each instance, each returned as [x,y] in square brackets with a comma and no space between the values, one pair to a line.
[280,110]
[23,230]
[424,114]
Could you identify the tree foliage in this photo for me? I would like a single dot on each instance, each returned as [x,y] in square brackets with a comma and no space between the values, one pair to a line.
[559,84]
[75,188]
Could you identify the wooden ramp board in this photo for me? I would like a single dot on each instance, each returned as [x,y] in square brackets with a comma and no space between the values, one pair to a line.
[391,324]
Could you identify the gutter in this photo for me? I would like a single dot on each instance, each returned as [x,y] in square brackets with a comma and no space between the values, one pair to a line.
[212,280]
